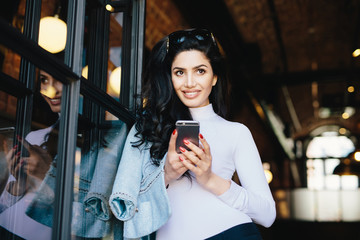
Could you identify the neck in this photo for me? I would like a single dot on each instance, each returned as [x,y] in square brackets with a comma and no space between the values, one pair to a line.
[202,113]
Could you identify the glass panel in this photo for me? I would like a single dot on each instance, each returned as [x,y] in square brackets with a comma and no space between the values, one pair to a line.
[349,182]
[350,205]
[315,173]
[97,159]
[110,117]
[328,205]
[114,62]
[13,12]
[7,107]
[329,145]
[303,204]
[53,28]
[7,131]
[10,62]
[27,201]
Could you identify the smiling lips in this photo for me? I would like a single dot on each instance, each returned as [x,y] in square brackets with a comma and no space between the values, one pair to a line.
[191,94]
[55,101]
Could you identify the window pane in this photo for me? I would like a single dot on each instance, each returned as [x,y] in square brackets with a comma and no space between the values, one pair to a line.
[9,62]
[7,132]
[97,158]
[315,173]
[115,48]
[329,146]
[28,198]
[350,182]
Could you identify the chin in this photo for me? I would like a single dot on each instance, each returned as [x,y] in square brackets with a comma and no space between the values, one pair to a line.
[56,110]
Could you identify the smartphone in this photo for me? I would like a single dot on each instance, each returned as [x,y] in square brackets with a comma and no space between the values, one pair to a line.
[7,134]
[189,130]
[23,146]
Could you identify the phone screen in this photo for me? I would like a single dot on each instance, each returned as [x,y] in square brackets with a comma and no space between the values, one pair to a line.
[7,135]
[189,130]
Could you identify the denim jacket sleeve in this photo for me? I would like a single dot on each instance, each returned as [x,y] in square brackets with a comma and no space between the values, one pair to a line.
[97,199]
[139,196]
[123,199]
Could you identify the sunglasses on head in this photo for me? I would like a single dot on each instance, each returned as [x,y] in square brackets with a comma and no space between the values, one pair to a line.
[178,37]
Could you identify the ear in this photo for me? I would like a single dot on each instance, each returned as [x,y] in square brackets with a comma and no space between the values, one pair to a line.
[214,80]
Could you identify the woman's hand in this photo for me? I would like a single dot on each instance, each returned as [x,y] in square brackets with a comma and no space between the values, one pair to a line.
[15,165]
[199,160]
[30,170]
[173,166]
[38,162]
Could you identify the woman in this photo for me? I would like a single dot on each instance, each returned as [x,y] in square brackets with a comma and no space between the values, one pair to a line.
[192,196]
[29,170]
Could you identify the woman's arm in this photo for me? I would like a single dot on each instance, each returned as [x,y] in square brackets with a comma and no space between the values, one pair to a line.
[253,197]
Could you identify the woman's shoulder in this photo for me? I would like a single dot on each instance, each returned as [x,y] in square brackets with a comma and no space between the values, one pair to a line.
[37,137]
[233,126]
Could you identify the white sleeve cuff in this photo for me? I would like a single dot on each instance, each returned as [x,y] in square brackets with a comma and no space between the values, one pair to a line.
[7,199]
[235,196]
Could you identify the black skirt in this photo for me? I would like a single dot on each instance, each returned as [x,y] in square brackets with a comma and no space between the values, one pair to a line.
[246,231]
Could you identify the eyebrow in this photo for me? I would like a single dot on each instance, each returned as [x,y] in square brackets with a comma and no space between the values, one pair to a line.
[198,66]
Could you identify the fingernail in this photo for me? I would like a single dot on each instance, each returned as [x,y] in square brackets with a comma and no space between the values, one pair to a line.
[18,154]
[186,142]
[19,138]
[201,136]
[181,159]
[182,149]
[15,147]
[174,132]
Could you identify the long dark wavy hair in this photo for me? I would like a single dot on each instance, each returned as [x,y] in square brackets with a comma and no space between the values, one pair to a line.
[161,106]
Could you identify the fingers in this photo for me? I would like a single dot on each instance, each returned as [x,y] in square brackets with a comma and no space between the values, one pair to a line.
[198,156]
[172,142]
[205,144]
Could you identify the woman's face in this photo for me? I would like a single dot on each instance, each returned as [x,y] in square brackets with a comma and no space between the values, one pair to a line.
[193,78]
[51,90]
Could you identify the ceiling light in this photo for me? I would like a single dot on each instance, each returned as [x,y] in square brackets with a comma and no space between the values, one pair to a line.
[268,175]
[351,89]
[356,53]
[52,34]
[115,80]
[342,131]
[109,8]
[85,71]
[357,156]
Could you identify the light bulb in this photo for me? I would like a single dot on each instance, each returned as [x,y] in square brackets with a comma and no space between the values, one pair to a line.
[52,34]
[115,80]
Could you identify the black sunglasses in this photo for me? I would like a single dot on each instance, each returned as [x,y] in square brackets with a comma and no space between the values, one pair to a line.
[178,37]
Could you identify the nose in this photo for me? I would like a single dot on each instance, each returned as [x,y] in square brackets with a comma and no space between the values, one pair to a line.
[190,81]
[57,85]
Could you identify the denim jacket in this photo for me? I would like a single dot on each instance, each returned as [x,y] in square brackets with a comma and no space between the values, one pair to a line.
[139,196]
[92,217]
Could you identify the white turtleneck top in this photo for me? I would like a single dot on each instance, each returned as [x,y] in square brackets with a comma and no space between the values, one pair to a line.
[198,214]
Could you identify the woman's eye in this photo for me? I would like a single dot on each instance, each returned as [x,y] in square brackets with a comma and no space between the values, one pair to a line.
[201,71]
[44,80]
[179,73]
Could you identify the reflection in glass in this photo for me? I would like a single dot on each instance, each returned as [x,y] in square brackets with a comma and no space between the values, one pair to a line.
[10,62]
[96,165]
[115,49]
[28,197]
